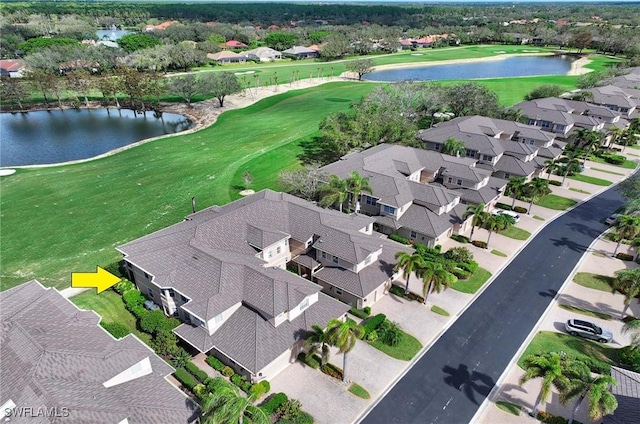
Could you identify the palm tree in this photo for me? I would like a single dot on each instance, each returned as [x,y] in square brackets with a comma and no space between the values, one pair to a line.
[633,327]
[317,339]
[595,389]
[226,405]
[616,134]
[343,335]
[627,281]
[335,192]
[515,188]
[435,278]
[357,185]
[572,160]
[479,216]
[408,263]
[588,139]
[453,147]
[552,165]
[493,223]
[504,222]
[626,228]
[535,188]
[550,368]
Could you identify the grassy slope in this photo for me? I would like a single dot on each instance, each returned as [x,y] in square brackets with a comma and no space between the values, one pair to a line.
[59,220]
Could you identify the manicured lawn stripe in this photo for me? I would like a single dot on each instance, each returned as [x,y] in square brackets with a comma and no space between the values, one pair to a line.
[555,202]
[408,347]
[628,164]
[473,283]
[606,171]
[577,190]
[359,391]
[508,407]
[438,310]
[538,217]
[586,312]
[516,233]
[593,281]
[590,180]
[499,253]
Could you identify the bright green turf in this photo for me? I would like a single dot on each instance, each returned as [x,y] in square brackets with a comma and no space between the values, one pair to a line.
[590,180]
[555,202]
[473,283]
[516,233]
[408,347]
[65,219]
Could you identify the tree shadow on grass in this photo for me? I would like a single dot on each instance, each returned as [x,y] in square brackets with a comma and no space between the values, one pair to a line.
[317,150]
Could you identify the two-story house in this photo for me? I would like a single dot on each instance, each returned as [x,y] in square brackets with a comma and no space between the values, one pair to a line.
[626,101]
[234,275]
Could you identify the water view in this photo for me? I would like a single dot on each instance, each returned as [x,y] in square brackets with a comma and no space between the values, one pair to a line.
[56,136]
[515,66]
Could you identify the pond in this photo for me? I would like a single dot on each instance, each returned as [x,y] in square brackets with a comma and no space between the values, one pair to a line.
[515,66]
[111,34]
[56,136]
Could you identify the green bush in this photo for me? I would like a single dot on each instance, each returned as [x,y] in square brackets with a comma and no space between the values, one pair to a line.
[460,238]
[417,298]
[237,380]
[462,274]
[116,329]
[227,371]
[185,378]
[596,366]
[548,418]
[480,244]
[624,257]
[153,321]
[332,370]
[399,239]
[520,209]
[503,206]
[215,363]
[554,183]
[615,159]
[266,386]
[372,336]
[373,323]
[471,266]
[196,372]
[123,286]
[629,358]
[357,312]
[459,254]
[133,298]
[309,360]
[397,290]
[273,403]
[367,310]
[256,390]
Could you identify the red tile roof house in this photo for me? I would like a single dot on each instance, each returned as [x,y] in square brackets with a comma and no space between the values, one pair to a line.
[229,273]
[234,44]
[12,68]
[56,357]
[159,27]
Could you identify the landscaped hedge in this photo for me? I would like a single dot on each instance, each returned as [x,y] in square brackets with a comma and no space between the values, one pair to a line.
[357,312]
[397,290]
[399,239]
[468,266]
[624,257]
[227,371]
[460,238]
[549,418]
[271,404]
[629,358]
[196,372]
[373,323]
[503,206]
[367,310]
[480,244]
[555,183]
[240,381]
[185,378]
[615,159]
[116,329]
[461,274]
[520,209]
[215,363]
[309,360]
[332,371]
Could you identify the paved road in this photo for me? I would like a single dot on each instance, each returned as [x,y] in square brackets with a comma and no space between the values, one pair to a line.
[450,382]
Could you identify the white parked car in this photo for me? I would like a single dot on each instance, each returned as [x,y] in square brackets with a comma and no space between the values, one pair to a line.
[512,214]
[611,219]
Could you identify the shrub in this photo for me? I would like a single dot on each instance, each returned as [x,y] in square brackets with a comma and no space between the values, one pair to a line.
[357,312]
[373,323]
[615,159]
[133,298]
[554,183]
[153,321]
[332,371]
[520,209]
[227,371]
[399,239]
[266,386]
[273,403]
[460,238]
[137,311]
[596,366]
[480,244]
[417,298]
[309,360]
[426,251]
[397,290]
[462,274]
[289,411]
[503,206]
[471,266]
[624,257]
[215,363]
[116,329]
[372,336]
[201,391]
[367,310]
[630,358]
[459,254]
[185,378]
[256,390]
[237,380]
[123,286]
[197,372]
[390,333]
[245,385]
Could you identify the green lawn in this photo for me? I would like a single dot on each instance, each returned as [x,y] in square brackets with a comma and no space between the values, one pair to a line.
[440,311]
[590,180]
[538,217]
[473,283]
[606,171]
[586,312]
[515,233]
[555,202]
[499,253]
[359,391]
[408,347]
[628,164]
[548,341]
[593,281]
[577,190]
[84,211]
[509,407]
[110,307]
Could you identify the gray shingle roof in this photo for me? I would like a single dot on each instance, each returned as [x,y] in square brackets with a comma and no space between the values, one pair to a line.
[55,355]
[423,220]
[627,393]
[515,166]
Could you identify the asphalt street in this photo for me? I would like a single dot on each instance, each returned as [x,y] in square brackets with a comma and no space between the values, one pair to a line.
[450,382]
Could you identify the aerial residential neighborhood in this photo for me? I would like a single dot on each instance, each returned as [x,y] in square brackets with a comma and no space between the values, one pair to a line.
[297,213]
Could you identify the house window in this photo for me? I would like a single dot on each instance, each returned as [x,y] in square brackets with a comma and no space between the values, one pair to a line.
[304,304]
[324,255]
[413,234]
[278,250]
[459,182]
[450,180]
[286,242]
[146,275]
[150,292]
[506,175]
[532,142]
[334,259]
[367,260]
[338,292]
[471,154]
[218,319]
[172,293]
[370,201]
[545,124]
[270,254]
[436,146]
[389,209]
[487,158]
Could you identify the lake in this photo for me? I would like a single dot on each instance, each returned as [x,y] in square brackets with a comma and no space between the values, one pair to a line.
[56,136]
[514,66]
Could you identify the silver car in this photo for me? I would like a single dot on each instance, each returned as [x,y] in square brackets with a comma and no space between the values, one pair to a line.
[588,330]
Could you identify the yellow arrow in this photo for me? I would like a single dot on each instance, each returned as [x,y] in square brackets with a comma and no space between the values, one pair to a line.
[100,279]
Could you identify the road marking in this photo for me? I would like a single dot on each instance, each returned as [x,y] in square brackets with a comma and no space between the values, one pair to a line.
[447,404]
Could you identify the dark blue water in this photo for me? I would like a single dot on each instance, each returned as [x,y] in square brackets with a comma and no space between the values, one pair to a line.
[516,66]
[56,136]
